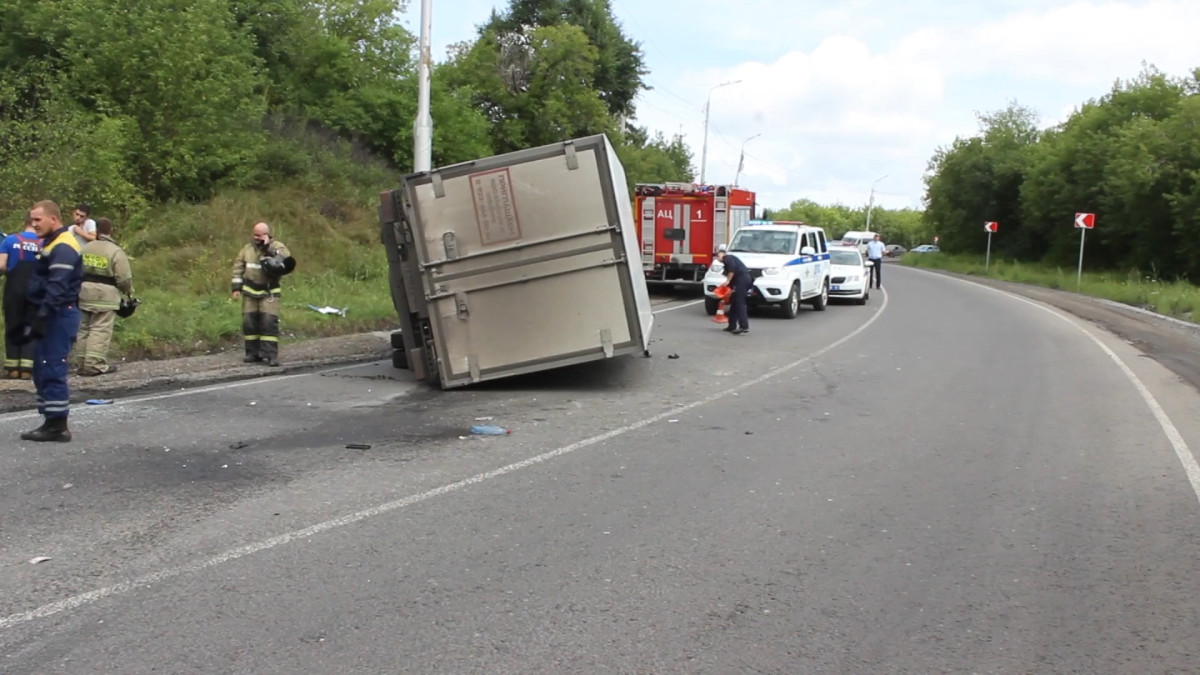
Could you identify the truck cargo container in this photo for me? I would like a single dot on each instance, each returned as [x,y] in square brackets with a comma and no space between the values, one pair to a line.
[514,264]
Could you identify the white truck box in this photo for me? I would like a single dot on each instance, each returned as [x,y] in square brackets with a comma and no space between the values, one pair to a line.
[516,263]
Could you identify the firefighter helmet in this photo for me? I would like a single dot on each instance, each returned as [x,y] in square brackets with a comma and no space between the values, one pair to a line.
[128,307]
[278,265]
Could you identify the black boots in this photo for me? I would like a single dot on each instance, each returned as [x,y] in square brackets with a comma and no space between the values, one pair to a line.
[53,430]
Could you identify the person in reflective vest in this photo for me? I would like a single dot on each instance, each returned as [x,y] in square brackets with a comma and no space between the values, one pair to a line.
[18,253]
[107,277]
[52,319]
[259,291]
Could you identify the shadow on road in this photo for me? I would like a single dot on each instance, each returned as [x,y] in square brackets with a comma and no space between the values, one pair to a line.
[667,292]
[608,374]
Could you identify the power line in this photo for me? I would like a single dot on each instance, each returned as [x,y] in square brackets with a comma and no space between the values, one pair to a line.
[674,114]
[690,104]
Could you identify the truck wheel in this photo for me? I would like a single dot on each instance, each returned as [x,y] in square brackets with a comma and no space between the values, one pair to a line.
[397,340]
[822,301]
[791,306]
[399,359]
[710,306]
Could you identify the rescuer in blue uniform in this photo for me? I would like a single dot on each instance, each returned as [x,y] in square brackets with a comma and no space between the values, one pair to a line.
[738,276]
[18,255]
[52,318]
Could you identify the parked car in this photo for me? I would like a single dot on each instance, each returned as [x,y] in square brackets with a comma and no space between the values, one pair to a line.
[894,250]
[849,274]
[926,248]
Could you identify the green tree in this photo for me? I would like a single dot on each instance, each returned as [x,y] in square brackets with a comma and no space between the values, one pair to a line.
[654,159]
[979,179]
[55,149]
[618,69]
[1105,154]
[836,220]
[184,77]
[534,87]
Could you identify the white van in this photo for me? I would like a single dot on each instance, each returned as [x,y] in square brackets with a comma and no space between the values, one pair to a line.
[858,239]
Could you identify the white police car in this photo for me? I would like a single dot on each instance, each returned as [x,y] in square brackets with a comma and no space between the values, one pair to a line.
[850,274]
[789,262]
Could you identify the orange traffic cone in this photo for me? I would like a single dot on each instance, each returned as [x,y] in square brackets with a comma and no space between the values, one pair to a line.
[720,317]
[723,294]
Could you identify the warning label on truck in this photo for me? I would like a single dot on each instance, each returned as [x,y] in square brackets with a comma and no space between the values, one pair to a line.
[495,207]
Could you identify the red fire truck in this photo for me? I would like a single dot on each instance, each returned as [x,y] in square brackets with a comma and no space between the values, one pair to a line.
[681,224]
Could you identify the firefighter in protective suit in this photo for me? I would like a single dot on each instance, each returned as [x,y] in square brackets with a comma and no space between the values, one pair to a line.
[107,278]
[256,273]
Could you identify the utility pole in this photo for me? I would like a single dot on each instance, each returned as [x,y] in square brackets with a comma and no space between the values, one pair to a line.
[871,201]
[423,127]
[704,147]
[742,158]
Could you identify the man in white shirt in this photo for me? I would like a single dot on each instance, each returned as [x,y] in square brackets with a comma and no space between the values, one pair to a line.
[875,255]
[84,228]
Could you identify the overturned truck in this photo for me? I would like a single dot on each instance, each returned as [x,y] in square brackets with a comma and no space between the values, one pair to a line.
[514,264]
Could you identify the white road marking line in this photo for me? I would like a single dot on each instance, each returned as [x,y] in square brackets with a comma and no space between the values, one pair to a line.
[31,414]
[672,308]
[77,601]
[174,394]
[1186,457]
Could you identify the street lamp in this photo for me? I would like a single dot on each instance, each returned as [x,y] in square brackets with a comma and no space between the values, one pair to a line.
[423,126]
[704,148]
[742,158]
[871,201]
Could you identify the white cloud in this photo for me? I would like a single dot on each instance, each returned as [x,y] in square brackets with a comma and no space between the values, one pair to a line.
[825,116]
[880,90]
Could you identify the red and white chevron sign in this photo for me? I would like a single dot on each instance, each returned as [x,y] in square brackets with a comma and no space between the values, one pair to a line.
[1085,220]
[991,226]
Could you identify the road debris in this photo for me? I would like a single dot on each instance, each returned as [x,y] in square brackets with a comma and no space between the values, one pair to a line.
[239,445]
[39,559]
[672,356]
[99,401]
[489,430]
[329,311]
[68,486]
[358,446]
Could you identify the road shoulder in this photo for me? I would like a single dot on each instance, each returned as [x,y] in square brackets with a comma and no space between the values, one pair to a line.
[152,376]
[1171,342]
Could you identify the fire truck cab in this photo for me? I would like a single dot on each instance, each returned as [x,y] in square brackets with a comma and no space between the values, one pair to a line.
[681,224]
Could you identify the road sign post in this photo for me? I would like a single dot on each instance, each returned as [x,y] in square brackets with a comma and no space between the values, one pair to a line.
[1084,222]
[989,227]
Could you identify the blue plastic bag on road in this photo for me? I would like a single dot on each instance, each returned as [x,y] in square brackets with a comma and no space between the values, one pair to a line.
[488,430]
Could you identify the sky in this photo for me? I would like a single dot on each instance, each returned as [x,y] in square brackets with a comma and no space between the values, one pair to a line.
[837,101]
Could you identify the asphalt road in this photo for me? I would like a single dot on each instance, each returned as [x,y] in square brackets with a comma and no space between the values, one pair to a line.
[947,479]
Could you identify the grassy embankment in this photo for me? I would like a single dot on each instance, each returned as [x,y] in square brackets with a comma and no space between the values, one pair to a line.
[1174,298]
[182,257]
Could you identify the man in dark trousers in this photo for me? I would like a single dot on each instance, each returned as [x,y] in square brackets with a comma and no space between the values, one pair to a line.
[875,255]
[18,253]
[52,319]
[737,276]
